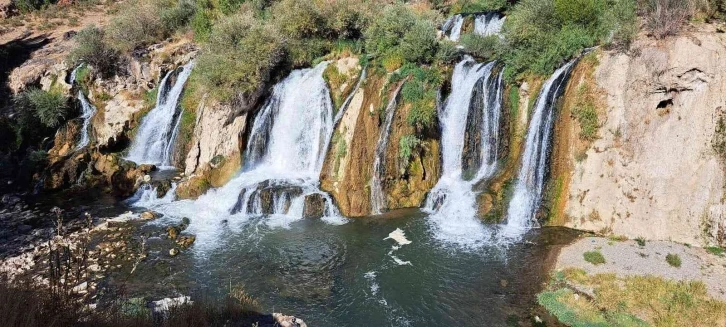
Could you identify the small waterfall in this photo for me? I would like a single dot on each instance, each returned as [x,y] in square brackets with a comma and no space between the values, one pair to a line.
[87,112]
[489,24]
[535,160]
[378,198]
[471,112]
[452,27]
[154,141]
[283,159]
[347,101]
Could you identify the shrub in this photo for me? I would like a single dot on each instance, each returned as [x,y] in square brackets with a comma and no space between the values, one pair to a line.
[715,250]
[665,17]
[640,241]
[447,52]
[594,257]
[50,107]
[473,6]
[673,260]
[297,19]
[541,35]
[26,6]
[483,47]
[239,56]
[406,146]
[143,22]
[92,49]
[421,91]
[400,31]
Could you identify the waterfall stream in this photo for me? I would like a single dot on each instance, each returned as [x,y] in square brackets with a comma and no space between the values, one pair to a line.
[378,198]
[471,111]
[154,141]
[283,159]
[489,24]
[532,174]
[452,27]
[347,101]
[87,112]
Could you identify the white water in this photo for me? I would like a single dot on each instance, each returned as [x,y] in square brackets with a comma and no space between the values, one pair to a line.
[531,176]
[286,148]
[452,27]
[154,140]
[378,197]
[348,100]
[452,202]
[87,112]
[489,24]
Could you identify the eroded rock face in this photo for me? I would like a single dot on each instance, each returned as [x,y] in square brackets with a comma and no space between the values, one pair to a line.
[654,171]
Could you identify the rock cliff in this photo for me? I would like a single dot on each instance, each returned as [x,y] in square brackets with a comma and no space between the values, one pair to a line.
[656,169]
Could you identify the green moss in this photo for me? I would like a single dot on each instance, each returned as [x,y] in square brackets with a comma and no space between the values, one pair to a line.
[585,113]
[406,146]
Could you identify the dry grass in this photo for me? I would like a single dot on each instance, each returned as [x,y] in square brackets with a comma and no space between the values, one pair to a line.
[652,300]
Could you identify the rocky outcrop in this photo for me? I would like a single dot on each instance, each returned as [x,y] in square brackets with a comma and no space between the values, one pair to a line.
[348,165]
[655,171]
[217,143]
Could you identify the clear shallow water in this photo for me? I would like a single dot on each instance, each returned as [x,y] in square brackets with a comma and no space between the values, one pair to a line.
[351,275]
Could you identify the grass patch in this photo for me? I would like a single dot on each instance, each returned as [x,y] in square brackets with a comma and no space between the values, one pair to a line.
[640,241]
[594,257]
[618,238]
[673,260]
[631,301]
[715,250]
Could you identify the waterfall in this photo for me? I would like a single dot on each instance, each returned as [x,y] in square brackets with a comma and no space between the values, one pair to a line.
[154,141]
[452,27]
[283,159]
[469,130]
[489,24]
[535,160]
[87,112]
[347,101]
[378,198]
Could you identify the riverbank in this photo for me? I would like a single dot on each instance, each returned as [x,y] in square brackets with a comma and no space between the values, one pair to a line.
[601,281]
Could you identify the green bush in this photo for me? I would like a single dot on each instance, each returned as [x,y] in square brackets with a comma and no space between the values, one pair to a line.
[26,6]
[594,257]
[92,49]
[715,250]
[401,32]
[406,146]
[447,52]
[297,19]
[420,91]
[51,108]
[143,22]
[540,35]
[673,260]
[475,6]
[484,47]
[239,56]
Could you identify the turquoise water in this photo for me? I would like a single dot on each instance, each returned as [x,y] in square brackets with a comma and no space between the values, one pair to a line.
[351,275]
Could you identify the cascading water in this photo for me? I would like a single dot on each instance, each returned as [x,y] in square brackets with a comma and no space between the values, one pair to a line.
[489,24]
[532,174]
[284,156]
[154,141]
[378,198]
[348,100]
[473,108]
[452,27]
[87,112]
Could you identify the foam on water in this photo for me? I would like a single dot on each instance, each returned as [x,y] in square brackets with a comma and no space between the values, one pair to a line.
[284,156]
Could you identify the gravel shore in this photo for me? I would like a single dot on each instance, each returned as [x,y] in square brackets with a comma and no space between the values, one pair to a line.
[627,258]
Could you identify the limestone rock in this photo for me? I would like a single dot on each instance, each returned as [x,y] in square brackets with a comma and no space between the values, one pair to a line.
[654,173]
